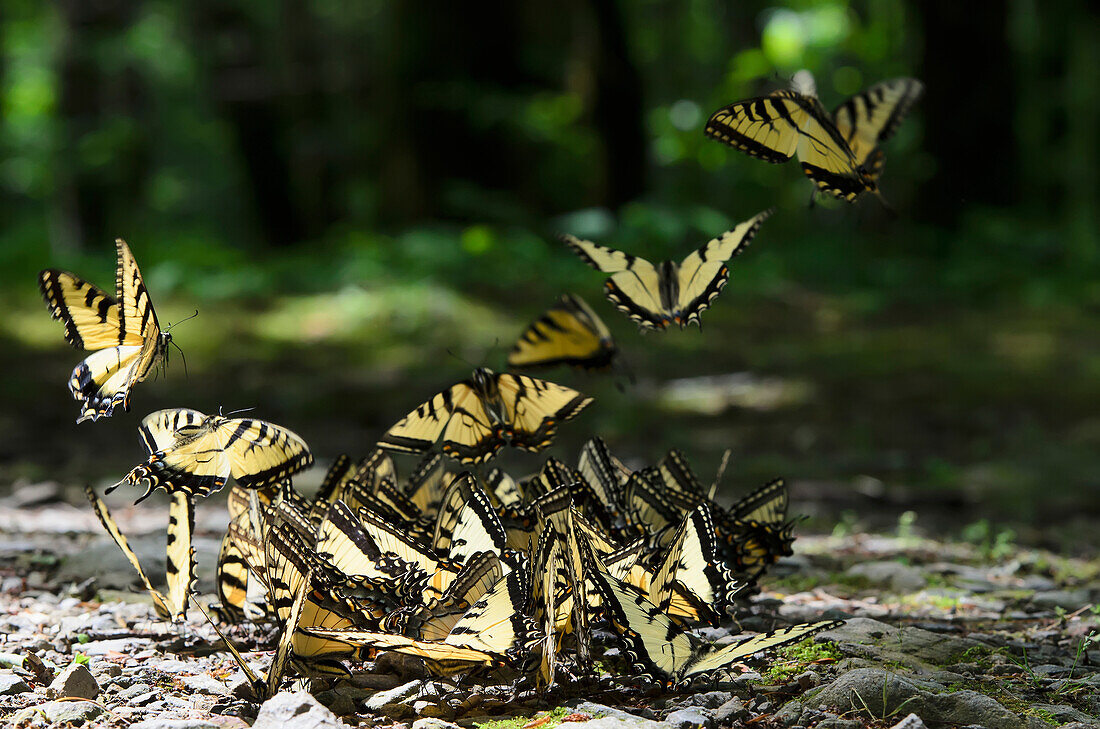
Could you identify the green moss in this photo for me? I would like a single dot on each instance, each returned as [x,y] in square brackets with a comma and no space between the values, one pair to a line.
[793,659]
[518,722]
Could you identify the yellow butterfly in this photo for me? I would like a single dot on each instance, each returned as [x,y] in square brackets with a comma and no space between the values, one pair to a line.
[477,417]
[197,453]
[121,331]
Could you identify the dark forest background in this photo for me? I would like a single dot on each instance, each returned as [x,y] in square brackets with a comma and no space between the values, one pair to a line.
[347,191]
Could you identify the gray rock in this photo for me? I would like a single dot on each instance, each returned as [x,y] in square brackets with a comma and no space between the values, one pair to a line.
[910,722]
[617,722]
[881,694]
[691,718]
[296,710]
[732,709]
[392,696]
[31,716]
[10,684]
[1068,599]
[790,714]
[912,647]
[895,575]
[119,645]
[109,565]
[76,712]
[174,724]
[598,711]
[840,724]
[430,722]
[205,684]
[76,681]
[136,689]
[870,690]
[970,707]
[1065,714]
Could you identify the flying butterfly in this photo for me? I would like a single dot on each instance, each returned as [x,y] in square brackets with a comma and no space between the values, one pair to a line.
[197,453]
[477,417]
[122,333]
[656,296]
[567,333]
[839,151]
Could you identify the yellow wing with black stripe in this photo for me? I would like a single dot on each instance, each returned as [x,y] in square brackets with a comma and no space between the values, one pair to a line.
[567,333]
[783,124]
[870,118]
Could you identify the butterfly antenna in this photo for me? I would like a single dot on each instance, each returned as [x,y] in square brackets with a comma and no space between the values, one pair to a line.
[231,413]
[720,474]
[257,683]
[461,359]
[181,321]
[182,356]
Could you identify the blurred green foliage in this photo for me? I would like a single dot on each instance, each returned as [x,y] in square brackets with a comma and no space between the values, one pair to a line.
[308,144]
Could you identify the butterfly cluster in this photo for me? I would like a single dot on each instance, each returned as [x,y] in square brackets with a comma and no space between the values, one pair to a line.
[471,570]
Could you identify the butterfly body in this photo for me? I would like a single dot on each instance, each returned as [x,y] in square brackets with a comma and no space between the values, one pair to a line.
[669,293]
[121,331]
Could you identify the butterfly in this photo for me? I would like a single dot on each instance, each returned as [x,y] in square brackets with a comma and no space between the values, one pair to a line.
[654,642]
[122,333]
[197,453]
[477,417]
[567,333]
[838,151]
[656,296]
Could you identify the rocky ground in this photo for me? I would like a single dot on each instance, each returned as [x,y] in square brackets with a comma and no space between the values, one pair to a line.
[940,634]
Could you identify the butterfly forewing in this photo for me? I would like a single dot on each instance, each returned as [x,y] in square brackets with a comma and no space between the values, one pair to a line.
[871,117]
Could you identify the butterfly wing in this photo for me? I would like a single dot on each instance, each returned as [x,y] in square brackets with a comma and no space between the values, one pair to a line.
[533,408]
[89,314]
[92,322]
[262,453]
[634,287]
[458,416]
[190,454]
[766,505]
[160,603]
[870,118]
[703,274]
[180,567]
[568,333]
[777,127]
[136,317]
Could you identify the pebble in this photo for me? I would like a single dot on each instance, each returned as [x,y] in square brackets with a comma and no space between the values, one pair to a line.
[10,684]
[176,724]
[732,709]
[389,702]
[60,712]
[1067,599]
[689,719]
[75,681]
[910,722]
[295,710]
[114,645]
[430,722]
[900,578]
